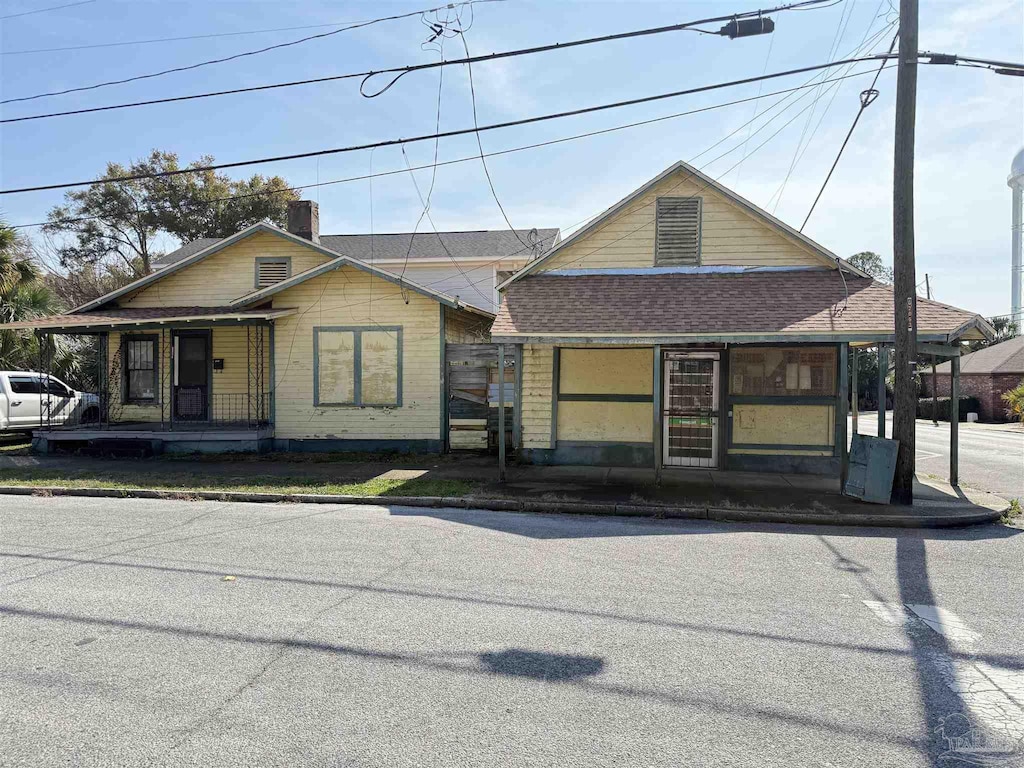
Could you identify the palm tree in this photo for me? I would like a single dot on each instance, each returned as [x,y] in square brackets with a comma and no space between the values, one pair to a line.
[23,296]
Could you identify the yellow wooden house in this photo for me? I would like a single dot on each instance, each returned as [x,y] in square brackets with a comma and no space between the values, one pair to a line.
[687,327]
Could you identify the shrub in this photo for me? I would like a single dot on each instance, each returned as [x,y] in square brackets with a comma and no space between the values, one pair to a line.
[967,404]
[1014,400]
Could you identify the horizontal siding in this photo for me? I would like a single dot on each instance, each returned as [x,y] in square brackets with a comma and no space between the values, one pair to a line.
[224,276]
[729,235]
[462,327]
[349,297]
[536,398]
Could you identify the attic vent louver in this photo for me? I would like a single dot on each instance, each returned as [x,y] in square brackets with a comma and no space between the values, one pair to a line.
[678,231]
[271,271]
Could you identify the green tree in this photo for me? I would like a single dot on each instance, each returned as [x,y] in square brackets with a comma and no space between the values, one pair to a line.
[871,263]
[23,296]
[1005,330]
[120,223]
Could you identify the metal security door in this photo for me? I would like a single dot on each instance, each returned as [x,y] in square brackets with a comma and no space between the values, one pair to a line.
[690,413]
[192,376]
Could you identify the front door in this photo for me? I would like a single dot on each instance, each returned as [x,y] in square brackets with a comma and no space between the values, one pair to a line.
[192,377]
[690,420]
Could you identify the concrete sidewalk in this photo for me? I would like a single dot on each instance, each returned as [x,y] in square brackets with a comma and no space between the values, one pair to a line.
[595,490]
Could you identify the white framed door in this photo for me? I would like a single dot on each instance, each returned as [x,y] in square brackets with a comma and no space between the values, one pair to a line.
[690,413]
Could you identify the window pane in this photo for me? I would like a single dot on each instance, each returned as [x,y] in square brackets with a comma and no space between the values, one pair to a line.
[56,388]
[141,385]
[781,371]
[336,366]
[380,367]
[24,385]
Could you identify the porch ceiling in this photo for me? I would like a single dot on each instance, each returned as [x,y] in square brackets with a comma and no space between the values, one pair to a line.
[148,316]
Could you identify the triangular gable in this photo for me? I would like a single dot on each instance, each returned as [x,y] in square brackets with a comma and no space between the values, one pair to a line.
[347,261]
[803,242]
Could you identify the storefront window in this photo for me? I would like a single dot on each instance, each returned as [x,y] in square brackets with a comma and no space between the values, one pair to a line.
[783,371]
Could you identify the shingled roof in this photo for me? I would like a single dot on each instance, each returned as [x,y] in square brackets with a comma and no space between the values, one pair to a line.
[809,302]
[145,315]
[1004,357]
[425,245]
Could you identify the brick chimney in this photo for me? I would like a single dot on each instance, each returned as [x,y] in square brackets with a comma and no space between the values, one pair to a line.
[304,219]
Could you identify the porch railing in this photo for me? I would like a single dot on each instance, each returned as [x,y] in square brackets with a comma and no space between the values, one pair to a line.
[225,410]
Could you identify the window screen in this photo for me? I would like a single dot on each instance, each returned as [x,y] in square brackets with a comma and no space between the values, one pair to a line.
[678,231]
[140,359]
[358,366]
[782,371]
[271,271]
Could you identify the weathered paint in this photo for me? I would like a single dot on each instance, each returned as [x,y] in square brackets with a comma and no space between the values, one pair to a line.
[464,327]
[607,422]
[730,235]
[536,395]
[606,371]
[783,425]
[224,276]
[350,297]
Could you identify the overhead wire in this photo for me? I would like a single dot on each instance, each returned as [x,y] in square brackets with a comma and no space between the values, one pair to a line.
[403,70]
[45,10]
[442,134]
[474,158]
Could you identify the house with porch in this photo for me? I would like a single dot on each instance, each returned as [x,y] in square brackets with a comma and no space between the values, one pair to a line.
[686,327]
[272,338]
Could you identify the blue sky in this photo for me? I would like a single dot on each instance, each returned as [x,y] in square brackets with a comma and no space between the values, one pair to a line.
[970,121]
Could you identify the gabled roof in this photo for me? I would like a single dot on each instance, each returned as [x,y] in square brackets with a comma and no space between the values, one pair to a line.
[1004,357]
[336,260]
[709,306]
[263,294]
[476,244]
[784,229]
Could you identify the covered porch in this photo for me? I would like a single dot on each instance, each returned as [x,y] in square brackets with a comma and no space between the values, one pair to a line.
[178,379]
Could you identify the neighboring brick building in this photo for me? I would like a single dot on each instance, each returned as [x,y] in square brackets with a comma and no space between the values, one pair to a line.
[986,375]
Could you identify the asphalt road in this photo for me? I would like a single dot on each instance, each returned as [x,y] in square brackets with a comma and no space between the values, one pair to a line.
[991,460]
[151,633]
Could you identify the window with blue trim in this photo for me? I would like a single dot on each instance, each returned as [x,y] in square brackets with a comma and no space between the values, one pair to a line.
[357,366]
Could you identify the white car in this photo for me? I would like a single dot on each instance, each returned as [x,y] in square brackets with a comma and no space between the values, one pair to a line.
[25,397]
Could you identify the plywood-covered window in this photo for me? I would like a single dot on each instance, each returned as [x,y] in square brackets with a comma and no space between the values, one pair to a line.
[677,231]
[357,366]
[272,270]
[783,371]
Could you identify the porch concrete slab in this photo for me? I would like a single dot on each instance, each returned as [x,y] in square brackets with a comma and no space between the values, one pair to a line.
[749,480]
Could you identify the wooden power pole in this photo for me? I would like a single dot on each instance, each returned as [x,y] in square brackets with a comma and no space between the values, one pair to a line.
[905,282]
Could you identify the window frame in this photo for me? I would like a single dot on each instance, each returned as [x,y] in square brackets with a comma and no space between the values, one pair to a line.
[357,367]
[700,229]
[797,398]
[154,340]
[286,260]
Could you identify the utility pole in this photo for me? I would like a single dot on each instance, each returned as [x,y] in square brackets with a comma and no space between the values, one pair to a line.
[935,378]
[904,287]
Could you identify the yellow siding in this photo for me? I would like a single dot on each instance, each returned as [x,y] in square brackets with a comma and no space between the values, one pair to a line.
[729,235]
[463,327]
[115,367]
[605,421]
[343,298]
[606,371]
[536,398]
[224,276]
[783,424]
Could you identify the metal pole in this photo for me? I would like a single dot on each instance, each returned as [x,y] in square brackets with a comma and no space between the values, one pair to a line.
[883,369]
[854,405]
[658,425]
[954,421]
[501,413]
[844,393]
[904,284]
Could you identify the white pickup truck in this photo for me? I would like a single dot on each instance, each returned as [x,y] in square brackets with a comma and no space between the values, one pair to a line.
[25,398]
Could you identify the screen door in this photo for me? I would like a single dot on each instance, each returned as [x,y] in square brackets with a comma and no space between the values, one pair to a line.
[690,420]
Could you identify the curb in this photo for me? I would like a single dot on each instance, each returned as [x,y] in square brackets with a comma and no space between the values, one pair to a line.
[722,514]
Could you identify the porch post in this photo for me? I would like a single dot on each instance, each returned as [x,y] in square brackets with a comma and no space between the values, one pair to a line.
[656,427]
[501,413]
[841,405]
[954,421]
[855,392]
[517,407]
[883,368]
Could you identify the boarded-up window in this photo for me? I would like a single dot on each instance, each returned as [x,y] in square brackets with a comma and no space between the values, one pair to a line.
[677,231]
[783,371]
[272,270]
[358,366]
[139,355]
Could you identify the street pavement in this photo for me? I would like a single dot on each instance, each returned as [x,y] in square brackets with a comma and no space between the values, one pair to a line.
[990,459]
[153,633]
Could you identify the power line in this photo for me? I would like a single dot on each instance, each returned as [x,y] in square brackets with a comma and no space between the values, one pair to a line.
[224,59]
[399,71]
[866,99]
[511,150]
[444,134]
[44,10]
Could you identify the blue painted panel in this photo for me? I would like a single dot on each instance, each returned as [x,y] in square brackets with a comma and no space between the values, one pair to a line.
[872,466]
